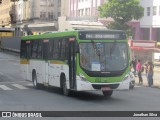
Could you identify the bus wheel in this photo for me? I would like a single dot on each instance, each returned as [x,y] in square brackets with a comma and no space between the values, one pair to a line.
[131,84]
[34,79]
[64,88]
[107,93]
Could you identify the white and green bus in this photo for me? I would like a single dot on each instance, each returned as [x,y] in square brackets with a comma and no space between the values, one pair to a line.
[80,60]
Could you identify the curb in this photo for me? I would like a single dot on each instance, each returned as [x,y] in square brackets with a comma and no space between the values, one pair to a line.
[144,85]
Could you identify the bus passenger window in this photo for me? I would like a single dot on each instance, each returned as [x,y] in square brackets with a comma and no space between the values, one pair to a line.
[23,50]
[56,49]
[51,49]
[63,49]
[39,51]
[34,49]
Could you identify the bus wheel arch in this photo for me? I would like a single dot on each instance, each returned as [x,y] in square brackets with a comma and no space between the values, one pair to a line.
[63,85]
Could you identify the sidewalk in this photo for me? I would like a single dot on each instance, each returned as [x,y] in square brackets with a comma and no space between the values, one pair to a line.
[156,78]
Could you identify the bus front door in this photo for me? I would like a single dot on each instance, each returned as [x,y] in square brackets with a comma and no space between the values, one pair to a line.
[72,63]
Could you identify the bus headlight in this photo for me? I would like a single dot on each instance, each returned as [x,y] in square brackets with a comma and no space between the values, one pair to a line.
[82,77]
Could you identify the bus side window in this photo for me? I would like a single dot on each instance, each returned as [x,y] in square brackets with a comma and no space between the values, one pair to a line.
[60,48]
[51,48]
[63,49]
[56,49]
[34,49]
[45,50]
[39,51]
[66,49]
[23,53]
[28,51]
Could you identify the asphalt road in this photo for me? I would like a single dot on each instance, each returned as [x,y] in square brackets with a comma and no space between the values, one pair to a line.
[16,94]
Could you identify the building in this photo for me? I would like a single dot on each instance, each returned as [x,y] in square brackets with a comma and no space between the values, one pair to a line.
[30,16]
[80,14]
[64,7]
[148,27]
[5,18]
[37,16]
[84,7]
[146,31]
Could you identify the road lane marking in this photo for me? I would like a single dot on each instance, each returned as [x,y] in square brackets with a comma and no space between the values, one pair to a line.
[19,86]
[5,87]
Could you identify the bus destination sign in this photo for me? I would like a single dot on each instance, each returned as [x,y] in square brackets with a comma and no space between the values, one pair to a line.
[102,36]
[98,35]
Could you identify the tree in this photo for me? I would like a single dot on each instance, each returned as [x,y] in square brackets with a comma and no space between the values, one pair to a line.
[122,11]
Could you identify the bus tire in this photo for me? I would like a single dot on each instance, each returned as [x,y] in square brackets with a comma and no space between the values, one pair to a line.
[64,87]
[34,80]
[131,84]
[107,93]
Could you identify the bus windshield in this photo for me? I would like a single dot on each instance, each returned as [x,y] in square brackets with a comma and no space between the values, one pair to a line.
[110,56]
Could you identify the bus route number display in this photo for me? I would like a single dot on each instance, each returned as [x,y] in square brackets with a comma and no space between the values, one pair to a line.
[102,36]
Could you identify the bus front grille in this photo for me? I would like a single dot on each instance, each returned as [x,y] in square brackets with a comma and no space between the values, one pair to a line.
[98,86]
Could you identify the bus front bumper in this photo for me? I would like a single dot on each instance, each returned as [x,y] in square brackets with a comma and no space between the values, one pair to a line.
[86,85]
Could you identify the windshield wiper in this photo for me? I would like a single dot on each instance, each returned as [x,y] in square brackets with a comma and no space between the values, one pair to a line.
[97,50]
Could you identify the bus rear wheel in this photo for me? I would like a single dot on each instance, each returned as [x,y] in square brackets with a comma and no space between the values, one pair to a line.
[107,93]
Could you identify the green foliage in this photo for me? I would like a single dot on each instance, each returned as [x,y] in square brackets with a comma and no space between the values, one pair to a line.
[122,11]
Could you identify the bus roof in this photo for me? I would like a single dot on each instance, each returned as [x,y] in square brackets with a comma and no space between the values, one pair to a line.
[66,33]
[48,35]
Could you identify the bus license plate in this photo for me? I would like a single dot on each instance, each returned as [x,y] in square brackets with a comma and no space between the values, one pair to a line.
[105,88]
